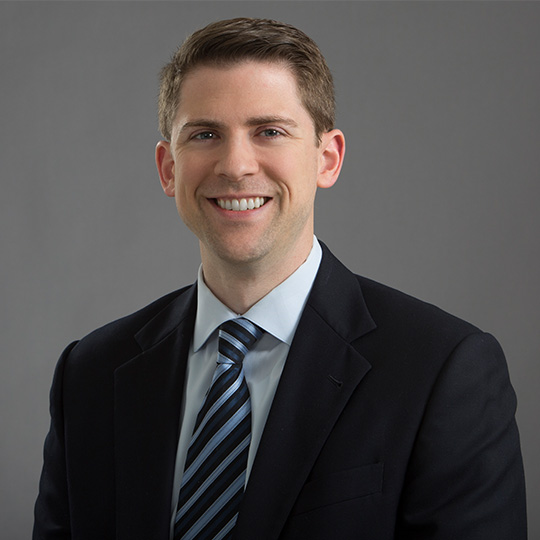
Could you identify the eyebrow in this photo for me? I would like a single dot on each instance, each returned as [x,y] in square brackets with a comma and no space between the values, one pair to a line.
[251,122]
[261,120]
[202,122]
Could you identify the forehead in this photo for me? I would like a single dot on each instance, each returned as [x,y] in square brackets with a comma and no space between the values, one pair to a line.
[243,86]
[244,65]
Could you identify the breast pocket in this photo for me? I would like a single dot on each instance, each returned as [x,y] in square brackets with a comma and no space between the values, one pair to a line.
[340,487]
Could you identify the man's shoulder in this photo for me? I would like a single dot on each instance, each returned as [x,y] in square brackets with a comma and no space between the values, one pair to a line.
[134,321]
[117,339]
[388,300]
[412,319]
[388,307]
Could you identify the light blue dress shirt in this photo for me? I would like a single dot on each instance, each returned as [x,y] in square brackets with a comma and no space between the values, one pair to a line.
[278,314]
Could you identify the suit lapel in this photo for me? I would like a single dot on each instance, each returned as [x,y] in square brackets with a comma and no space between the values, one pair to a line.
[148,396]
[321,373]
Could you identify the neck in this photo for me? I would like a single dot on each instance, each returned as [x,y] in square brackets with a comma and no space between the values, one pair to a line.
[239,285]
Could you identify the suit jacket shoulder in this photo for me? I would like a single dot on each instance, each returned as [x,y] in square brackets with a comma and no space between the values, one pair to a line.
[396,306]
[117,341]
[423,331]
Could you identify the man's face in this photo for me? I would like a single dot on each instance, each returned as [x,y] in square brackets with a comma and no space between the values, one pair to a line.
[243,163]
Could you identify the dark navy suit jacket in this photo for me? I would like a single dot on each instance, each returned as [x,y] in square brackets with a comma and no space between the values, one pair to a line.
[392,420]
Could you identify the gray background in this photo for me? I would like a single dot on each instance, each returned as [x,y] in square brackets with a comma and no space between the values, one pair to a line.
[440,103]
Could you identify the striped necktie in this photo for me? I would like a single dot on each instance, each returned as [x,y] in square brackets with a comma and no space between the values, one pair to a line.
[215,471]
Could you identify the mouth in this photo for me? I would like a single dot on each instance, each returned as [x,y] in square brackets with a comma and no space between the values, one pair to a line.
[241,205]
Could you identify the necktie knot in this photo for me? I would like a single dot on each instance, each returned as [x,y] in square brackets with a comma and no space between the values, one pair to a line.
[236,338]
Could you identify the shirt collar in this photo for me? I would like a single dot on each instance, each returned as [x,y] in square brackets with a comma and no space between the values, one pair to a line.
[278,313]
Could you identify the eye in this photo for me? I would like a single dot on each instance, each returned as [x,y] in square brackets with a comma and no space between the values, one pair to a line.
[271,133]
[204,136]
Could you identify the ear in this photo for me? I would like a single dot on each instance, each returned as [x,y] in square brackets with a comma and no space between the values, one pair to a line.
[165,167]
[332,152]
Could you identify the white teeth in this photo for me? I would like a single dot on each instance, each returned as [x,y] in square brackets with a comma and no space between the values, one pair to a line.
[239,205]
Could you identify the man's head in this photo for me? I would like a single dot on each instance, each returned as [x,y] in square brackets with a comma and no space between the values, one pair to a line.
[244,156]
[230,42]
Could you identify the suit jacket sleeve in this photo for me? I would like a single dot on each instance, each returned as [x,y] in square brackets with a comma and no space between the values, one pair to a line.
[465,479]
[52,506]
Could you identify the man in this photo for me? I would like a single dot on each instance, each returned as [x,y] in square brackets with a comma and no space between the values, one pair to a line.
[364,413]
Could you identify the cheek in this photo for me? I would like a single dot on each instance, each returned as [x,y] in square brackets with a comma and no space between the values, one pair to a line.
[187,178]
[300,179]
[289,169]
[183,191]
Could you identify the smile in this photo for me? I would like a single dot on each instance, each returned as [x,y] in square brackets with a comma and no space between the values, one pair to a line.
[240,205]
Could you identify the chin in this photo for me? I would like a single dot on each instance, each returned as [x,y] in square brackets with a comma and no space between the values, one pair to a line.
[240,256]
[238,251]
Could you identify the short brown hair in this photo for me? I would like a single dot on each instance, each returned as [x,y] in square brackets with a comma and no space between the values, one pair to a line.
[231,41]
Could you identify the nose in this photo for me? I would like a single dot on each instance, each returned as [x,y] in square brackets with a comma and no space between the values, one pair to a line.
[236,159]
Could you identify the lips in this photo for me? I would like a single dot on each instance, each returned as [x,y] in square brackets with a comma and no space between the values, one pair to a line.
[240,205]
